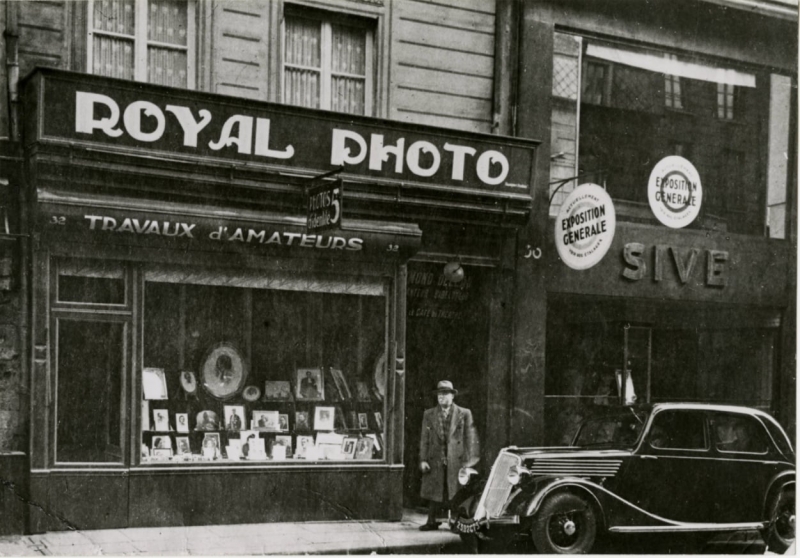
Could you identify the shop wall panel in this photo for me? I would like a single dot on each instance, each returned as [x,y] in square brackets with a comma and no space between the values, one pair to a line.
[240,496]
[442,65]
[83,500]
[14,493]
[41,35]
[240,50]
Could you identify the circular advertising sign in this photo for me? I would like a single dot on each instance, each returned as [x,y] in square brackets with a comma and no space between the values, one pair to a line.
[585,226]
[674,192]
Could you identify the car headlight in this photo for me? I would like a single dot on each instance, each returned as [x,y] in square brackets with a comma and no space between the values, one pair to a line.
[515,474]
[465,474]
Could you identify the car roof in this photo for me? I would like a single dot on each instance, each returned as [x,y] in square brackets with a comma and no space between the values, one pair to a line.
[712,407]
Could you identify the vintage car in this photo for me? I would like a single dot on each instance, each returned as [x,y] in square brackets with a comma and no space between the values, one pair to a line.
[665,468]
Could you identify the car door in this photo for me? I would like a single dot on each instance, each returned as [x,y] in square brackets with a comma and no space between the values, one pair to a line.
[670,473]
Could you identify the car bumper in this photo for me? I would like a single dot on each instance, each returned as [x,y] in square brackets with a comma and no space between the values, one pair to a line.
[468,525]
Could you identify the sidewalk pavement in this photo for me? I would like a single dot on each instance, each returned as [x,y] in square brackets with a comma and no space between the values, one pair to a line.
[339,537]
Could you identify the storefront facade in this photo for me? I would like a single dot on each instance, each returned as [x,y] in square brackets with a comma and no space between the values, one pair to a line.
[200,355]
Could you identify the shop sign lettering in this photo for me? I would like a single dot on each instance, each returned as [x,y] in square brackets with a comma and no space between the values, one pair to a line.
[585,226]
[685,262]
[675,192]
[431,295]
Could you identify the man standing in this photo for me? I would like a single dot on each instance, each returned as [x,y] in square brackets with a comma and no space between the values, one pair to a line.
[448,443]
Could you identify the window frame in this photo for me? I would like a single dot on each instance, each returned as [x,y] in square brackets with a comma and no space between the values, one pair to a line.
[326,20]
[754,424]
[703,420]
[141,42]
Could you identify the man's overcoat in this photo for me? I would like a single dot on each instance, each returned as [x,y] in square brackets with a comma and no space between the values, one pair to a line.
[462,450]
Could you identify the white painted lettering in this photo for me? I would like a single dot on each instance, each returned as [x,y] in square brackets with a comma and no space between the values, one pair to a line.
[85,122]
[340,153]
[190,126]
[379,153]
[485,162]
[262,142]
[243,140]
[459,152]
[412,158]
[133,121]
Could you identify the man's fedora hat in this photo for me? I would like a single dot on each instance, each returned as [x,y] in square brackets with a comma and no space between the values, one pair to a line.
[445,387]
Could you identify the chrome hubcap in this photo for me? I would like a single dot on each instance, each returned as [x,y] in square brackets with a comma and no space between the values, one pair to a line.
[569,527]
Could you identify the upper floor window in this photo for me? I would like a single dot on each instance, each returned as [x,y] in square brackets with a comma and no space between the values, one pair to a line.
[672,89]
[327,62]
[142,40]
[726,95]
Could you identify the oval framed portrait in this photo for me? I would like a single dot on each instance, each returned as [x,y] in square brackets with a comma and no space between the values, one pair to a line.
[188,382]
[251,393]
[223,371]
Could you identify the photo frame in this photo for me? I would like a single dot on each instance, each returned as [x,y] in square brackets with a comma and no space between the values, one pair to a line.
[363,392]
[378,420]
[182,422]
[364,449]
[363,424]
[161,442]
[266,421]
[159,452]
[301,421]
[349,447]
[323,418]
[145,415]
[341,383]
[188,382]
[376,439]
[206,420]
[277,390]
[285,441]
[211,445]
[234,418]
[223,371]
[183,446]
[251,393]
[309,384]
[154,384]
[283,422]
[161,420]
[302,443]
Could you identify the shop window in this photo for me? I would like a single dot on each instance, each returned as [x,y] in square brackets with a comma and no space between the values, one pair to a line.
[278,369]
[327,61]
[92,282]
[738,434]
[634,103]
[89,367]
[681,430]
[143,40]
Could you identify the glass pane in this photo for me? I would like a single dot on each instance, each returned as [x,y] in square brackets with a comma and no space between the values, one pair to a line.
[112,57]
[167,21]
[739,434]
[89,392]
[166,67]
[302,45]
[678,430]
[301,87]
[347,95]
[91,282]
[116,16]
[348,54]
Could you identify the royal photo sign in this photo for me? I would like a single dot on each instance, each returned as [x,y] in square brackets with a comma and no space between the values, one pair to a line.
[585,226]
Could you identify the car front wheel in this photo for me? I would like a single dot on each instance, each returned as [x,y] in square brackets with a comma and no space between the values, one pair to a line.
[782,518]
[565,524]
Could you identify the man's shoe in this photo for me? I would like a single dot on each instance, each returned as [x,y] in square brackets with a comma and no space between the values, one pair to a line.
[429,527]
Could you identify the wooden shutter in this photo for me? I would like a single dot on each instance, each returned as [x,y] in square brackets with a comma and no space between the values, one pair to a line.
[240,49]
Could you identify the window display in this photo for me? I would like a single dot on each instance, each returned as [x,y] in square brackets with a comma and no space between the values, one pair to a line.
[314,353]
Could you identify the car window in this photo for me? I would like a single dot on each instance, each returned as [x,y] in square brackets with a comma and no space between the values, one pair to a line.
[739,434]
[678,429]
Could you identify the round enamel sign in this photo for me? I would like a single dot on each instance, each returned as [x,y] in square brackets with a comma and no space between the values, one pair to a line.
[675,192]
[585,226]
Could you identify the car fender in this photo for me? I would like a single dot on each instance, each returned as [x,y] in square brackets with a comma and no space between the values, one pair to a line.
[776,485]
[574,484]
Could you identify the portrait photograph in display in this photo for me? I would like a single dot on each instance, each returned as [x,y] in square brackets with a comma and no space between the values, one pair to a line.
[154,384]
[206,420]
[251,393]
[376,440]
[363,392]
[323,418]
[309,385]
[341,383]
[182,422]
[302,444]
[189,382]
[266,420]
[283,422]
[285,441]
[145,415]
[162,442]
[278,390]
[182,446]
[364,448]
[379,421]
[161,420]
[349,447]
[234,418]
[362,421]
[211,445]
[223,371]
[162,452]
[301,421]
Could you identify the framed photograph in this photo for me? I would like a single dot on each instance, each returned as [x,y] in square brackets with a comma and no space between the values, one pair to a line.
[341,383]
[301,421]
[251,393]
[285,441]
[302,444]
[162,452]
[206,420]
[145,415]
[182,422]
[309,385]
[362,421]
[161,420]
[234,417]
[349,447]
[363,392]
[154,383]
[183,447]
[211,445]
[161,442]
[251,445]
[323,418]
[376,440]
[189,382]
[277,391]
[223,371]
[266,420]
[379,421]
[364,448]
[283,422]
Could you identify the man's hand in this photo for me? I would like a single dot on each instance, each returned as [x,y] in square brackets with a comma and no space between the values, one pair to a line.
[424,467]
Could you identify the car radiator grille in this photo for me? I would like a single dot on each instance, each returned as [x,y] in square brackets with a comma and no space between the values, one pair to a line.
[497,487]
[575,467]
